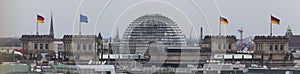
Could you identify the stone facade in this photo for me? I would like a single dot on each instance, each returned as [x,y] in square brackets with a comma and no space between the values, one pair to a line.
[294,40]
[219,44]
[275,47]
[271,44]
[68,49]
[83,47]
[80,48]
[272,50]
[34,45]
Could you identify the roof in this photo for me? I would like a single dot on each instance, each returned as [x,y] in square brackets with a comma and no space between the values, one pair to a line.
[270,37]
[235,56]
[120,56]
[24,73]
[208,38]
[36,37]
[222,36]
[98,68]
[60,66]
[13,68]
[183,47]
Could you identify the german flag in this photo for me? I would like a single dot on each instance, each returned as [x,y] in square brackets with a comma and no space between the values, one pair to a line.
[223,21]
[40,19]
[275,20]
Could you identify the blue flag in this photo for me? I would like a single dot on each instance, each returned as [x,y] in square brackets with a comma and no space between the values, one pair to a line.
[83,18]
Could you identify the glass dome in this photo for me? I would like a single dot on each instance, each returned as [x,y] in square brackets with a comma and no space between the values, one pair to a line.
[153,27]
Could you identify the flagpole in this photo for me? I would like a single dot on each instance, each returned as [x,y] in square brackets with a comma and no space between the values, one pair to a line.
[79,28]
[271,27]
[37,27]
[220,27]
[79,24]
[13,55]
[13,59]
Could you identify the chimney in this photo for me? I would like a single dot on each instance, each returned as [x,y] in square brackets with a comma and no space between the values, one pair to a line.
[201,33]
[201,36]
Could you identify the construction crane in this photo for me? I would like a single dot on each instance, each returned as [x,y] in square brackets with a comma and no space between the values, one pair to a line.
[241,32]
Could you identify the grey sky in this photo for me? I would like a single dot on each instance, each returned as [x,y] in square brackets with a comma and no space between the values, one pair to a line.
[19,16]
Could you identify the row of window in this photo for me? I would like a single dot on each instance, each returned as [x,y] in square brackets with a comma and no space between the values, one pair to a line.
[281,47]
[41,46]
[224,46]
[60,46]
[84,47]
[259,46]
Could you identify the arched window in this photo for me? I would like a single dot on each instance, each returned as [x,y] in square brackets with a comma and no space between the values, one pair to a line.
[271,48]
[41,46]
[46,46]
[84,47]
[276,47]
[90,47]
[229,46]
[35,46]
[78,47]
[219,46]
[281,47]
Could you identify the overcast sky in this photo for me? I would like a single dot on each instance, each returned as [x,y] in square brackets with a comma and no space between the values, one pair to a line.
[18,17]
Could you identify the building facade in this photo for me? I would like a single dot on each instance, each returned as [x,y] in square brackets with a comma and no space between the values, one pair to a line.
[71,49]
[81,48]
[294,40]
[272,50]
[219,44]
[34,45]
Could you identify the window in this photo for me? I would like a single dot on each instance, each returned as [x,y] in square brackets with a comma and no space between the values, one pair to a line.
[65,46]
[59,46]
[35,46]
[229,46]
[78,47]
[105,47]
[256,47]
[90,47]
[219,46]
[281,47]
[41,46]
[260,46]
[224,46]
[271,48]
[46,46]
[99,46]
[84,47]
[276,47]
